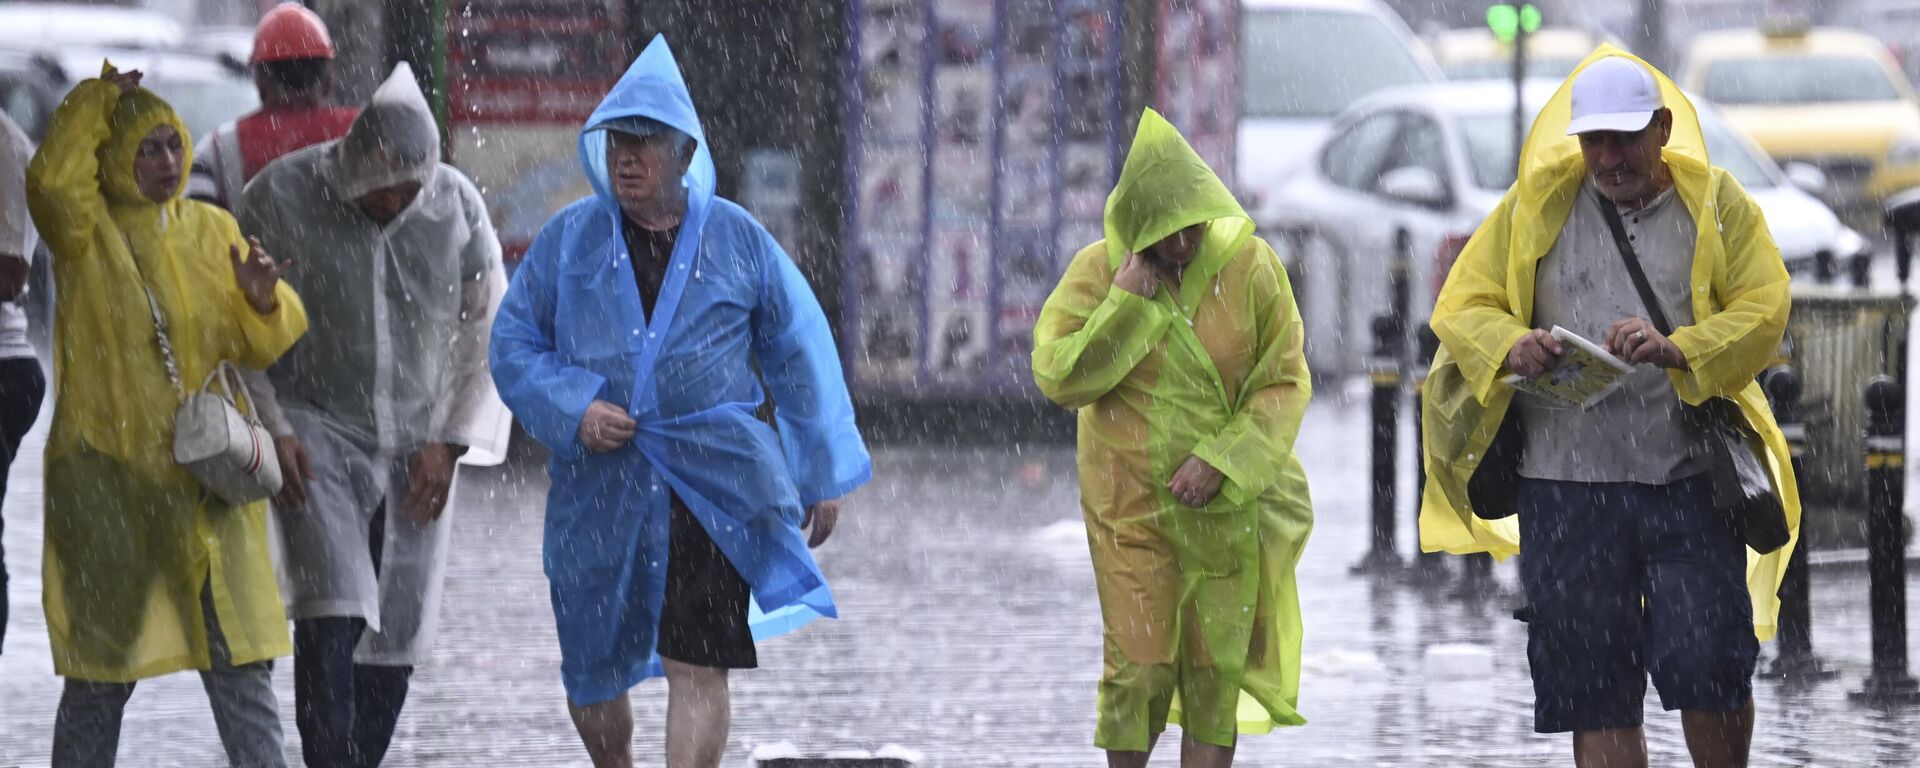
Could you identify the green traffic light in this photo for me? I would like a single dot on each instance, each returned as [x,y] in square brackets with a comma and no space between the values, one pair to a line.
[1506,22]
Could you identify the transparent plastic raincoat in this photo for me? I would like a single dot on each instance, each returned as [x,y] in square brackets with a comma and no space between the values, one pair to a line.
[1201,609]
[131,538]
[396,359]
[1739,293]
[571,331]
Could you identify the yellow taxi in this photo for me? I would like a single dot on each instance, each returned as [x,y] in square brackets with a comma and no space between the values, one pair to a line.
[1475,54]
[1832,99]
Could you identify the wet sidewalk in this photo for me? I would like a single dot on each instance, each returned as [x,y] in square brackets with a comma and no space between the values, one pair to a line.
[971,634]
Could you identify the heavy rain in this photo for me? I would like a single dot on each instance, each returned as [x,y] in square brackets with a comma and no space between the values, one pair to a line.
[888,383]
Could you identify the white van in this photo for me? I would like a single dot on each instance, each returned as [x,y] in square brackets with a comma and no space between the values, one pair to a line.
[1301,63]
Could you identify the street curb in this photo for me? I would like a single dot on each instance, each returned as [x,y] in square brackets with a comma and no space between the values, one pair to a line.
[1852,557]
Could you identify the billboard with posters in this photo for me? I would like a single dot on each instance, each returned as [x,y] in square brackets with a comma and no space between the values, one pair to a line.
[983,137]
[1198,69]
[522,77]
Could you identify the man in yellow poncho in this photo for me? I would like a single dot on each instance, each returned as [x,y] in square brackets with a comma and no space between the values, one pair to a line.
[147,573]
[1178,340]
[1629,570]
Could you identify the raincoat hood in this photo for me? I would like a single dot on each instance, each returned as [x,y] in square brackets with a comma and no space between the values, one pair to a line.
[394,140]
[1165,187]
[652,88]
[1550,158]
[137,113]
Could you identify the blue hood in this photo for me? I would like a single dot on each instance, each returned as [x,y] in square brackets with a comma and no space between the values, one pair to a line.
[651,88]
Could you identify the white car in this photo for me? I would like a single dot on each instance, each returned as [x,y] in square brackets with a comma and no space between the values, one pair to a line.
[52,25]
[1301,63]
[1415,170]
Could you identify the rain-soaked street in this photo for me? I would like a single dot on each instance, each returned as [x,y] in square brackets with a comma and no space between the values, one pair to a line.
[969,634]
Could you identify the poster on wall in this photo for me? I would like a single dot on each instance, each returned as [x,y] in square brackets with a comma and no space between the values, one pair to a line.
[888,350]
[1197,85]
[958,347]
[892,189]
[980,133]
[893,53]
[522,75]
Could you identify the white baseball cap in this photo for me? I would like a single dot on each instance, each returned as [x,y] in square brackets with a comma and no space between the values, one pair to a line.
[1613,94]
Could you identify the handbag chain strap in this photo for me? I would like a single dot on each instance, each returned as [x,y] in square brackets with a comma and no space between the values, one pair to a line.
[159,324]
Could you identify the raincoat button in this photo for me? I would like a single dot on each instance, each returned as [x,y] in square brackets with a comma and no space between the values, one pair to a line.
[1469,457]
[636,331]
[651,334]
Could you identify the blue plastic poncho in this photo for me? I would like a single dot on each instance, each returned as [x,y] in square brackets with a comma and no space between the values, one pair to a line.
[571,330]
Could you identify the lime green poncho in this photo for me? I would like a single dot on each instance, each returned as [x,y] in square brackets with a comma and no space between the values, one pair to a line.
[1200,605]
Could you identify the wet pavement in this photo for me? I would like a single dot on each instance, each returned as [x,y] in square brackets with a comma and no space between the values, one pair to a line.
[971,634]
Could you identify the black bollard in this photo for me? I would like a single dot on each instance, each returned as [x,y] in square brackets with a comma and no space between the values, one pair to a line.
[1889,682]
[1429,568]
[1795,661]
[1824,268]
[1860,268]
[1383,557]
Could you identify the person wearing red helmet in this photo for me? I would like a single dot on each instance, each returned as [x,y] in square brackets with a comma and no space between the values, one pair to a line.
[292,65]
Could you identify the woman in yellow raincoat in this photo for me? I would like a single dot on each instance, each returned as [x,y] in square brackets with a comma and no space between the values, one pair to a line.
[1178,340]
[145,572]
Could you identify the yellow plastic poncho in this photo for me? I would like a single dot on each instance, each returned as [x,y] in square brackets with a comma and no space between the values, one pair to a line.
[1739,295]
[131,538]
[1201,610]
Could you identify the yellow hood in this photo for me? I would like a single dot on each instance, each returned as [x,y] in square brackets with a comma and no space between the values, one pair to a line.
[138,112]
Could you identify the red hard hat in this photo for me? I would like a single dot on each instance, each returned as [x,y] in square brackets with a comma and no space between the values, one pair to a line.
[290,31]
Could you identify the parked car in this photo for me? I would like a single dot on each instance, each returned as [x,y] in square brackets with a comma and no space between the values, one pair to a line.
[30,87]
[1415,171]
[1831,99]
[1475,54]
[206,90]
[1301,62]
[52,25]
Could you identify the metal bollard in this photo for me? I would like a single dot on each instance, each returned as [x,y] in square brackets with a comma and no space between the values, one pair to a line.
[1795,661]
[1889,682]
[1429,568]
[1824,269]
[1860,269]
[1383,557]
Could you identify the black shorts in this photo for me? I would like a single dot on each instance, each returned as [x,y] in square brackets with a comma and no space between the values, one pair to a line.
[1628,581]
[704,618]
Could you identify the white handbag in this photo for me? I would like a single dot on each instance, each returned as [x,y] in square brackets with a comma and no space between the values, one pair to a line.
[229,452]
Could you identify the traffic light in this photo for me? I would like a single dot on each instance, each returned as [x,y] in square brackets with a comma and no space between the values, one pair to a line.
[1506,21]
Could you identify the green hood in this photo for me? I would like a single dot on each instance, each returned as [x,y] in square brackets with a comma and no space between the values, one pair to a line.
[1165,187]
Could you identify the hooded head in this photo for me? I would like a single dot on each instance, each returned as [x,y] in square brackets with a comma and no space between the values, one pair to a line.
[134,119]
[1552,157]
[392,147]
[649,104]
[1166,188]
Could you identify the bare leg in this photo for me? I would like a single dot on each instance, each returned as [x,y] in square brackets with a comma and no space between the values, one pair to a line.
[606,729]
[699,714]
[1199,754]
[1610,748]
[1719,739]
[1132,759]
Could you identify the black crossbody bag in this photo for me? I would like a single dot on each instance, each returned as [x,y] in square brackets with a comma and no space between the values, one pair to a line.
[1742,488]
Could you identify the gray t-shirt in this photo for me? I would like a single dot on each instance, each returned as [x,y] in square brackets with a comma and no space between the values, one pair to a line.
[1637,434]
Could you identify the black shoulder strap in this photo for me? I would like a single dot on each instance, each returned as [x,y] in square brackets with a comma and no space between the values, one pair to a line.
[1647,296]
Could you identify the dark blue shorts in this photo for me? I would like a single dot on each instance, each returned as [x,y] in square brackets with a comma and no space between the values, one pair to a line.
[1625,581]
